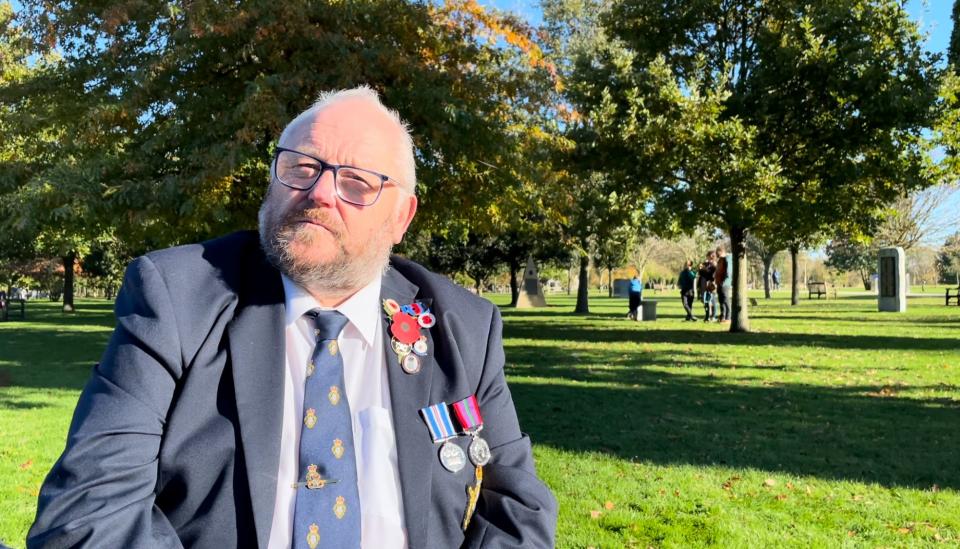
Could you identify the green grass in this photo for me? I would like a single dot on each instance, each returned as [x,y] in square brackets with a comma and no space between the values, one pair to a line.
[831,425]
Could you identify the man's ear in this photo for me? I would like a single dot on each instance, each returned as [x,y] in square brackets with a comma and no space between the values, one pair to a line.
[406,209]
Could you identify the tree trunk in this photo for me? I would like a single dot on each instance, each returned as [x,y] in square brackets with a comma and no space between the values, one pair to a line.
[583,305]
[609,282]
[739,320]
[514,284]
[795,275]
[569,278]
[865,278]
[68,261]
[767,263]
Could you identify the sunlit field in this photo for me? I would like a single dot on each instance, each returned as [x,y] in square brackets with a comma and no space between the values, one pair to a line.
[830,425]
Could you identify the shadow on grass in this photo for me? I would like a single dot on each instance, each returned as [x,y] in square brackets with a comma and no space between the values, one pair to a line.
[861,433]
[539,330]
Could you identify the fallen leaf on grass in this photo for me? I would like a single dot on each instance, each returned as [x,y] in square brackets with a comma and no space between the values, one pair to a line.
[904,530]
[789,486]
[26,465]
[608,506]
[857,497]
[769,482]
[781,497]
[676,493]
[851,533]
[730,482]
[809,491]
[594,514]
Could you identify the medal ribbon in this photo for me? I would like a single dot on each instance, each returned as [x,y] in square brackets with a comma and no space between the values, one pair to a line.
[468,414]
[439,422]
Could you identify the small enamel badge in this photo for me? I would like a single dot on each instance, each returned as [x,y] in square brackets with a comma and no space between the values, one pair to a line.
[406,337]
[334,395]
[314,480]
[337,448]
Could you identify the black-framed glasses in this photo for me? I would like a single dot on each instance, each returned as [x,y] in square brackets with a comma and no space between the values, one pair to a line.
[301,171]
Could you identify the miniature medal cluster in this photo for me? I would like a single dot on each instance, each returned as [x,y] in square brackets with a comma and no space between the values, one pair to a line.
[406,338]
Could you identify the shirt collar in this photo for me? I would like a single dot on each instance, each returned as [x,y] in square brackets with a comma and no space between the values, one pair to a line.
[361,309]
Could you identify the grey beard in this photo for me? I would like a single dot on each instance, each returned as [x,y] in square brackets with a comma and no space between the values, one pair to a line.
[343,274]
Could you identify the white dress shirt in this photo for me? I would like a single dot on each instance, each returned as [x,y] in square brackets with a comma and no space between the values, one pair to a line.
[365,380]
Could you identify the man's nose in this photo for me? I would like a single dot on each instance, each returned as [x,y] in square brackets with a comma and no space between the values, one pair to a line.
[324,192]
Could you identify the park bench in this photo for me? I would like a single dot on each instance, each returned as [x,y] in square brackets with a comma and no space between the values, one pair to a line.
[955,296]
[818,288]
[6,304]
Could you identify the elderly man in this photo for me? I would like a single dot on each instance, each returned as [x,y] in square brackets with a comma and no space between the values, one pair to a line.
[301,389]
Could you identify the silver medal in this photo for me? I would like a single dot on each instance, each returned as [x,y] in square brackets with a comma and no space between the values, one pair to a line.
[452,457]
[479,452]
[420,346]
[410,364]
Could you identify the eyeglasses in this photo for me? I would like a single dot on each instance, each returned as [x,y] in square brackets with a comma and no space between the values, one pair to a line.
[301,171]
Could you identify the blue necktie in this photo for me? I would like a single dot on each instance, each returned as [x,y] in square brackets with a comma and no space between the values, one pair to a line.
[328,504]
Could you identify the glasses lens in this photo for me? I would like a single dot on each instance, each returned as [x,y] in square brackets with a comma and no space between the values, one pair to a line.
[358,186]
[296,170]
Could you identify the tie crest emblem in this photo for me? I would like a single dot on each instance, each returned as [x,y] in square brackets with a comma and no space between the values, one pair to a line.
[337,448]
[334,395]
[311,418]
[332,347]
[313,536]
[340,507]
[311,367]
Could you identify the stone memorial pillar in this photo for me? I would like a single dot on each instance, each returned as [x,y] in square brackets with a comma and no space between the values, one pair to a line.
[892,285]
[531,294]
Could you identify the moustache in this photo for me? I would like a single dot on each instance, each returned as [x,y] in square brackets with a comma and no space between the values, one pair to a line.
[312,215]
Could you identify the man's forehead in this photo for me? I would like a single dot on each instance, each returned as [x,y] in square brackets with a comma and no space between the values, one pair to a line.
[348,118]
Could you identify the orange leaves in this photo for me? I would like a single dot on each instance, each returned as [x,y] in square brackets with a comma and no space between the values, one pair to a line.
[597,513]
[730,482]
[476,19]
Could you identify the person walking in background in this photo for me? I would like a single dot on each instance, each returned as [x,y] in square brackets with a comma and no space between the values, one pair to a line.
[776,279]
[707,286]
[635,293]
[724,284]
[687,280]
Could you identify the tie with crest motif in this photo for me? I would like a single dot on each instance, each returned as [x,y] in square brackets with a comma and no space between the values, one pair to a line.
[327,505]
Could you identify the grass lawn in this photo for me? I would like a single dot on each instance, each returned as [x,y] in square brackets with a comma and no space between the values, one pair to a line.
[831,425]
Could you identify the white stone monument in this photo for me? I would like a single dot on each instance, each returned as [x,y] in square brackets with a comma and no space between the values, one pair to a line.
[531,294]
[892,286]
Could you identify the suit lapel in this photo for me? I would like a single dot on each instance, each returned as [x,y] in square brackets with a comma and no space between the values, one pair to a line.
[257,350]
[408,394]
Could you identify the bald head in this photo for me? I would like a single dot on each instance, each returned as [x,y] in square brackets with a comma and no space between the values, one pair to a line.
[360,112]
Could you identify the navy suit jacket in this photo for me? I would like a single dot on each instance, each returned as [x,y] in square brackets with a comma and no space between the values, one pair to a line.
[175,439]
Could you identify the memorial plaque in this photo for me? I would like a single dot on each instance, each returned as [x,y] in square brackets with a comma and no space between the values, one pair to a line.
[888,267]
[892,294]
[531,285]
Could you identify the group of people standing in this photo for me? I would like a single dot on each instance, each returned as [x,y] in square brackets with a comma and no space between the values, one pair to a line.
[711,284]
